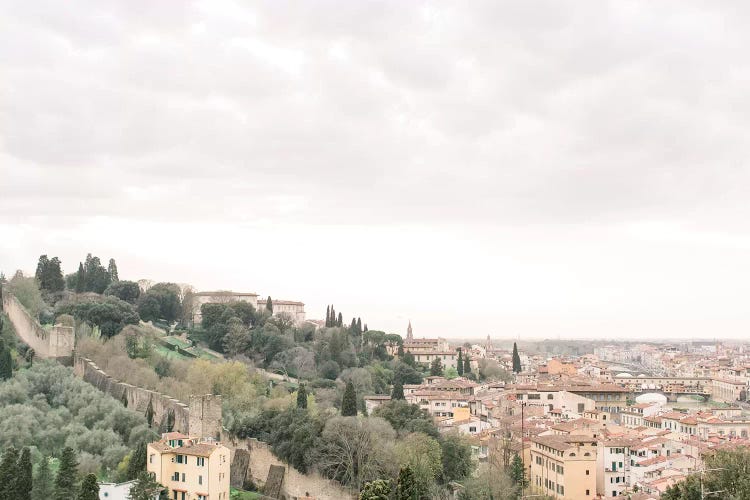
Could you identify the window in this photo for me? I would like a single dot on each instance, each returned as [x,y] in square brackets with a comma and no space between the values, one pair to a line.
[151,458]
[535,396]
[580,407]
[183,477]
[200,479]
[550,396]
[176,476]
[587,473]
[200,461]
[472,429]
[587,491]
[181,459]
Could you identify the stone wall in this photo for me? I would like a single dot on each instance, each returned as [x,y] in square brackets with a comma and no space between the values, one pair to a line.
[296,484]
[57,343]
[205,416]
[137,397]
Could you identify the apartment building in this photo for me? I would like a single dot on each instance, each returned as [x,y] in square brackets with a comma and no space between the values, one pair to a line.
[613,463]
[564,467]
[189,468]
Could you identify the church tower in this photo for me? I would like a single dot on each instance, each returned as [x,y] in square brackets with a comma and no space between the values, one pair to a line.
[409,335]
[488,344]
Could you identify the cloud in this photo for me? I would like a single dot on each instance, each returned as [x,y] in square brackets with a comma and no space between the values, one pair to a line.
[467,120]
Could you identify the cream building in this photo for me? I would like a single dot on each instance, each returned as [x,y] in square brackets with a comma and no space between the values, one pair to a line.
[564,467]
[294,309]
[190,469]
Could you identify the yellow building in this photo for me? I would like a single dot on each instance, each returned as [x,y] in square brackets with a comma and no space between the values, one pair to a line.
[190,469]
[563,467]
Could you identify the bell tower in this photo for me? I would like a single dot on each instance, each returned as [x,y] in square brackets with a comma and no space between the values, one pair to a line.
[409,335]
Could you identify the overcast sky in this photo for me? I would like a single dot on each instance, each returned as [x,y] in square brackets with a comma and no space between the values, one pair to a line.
[542,169]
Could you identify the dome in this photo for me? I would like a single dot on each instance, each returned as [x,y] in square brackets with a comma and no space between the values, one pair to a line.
[624,374]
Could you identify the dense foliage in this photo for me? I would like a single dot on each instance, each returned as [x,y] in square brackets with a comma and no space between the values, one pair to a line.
[108,313]
[46,406]
[727,472]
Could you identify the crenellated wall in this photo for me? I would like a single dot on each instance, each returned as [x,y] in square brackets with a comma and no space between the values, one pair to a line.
[137,397]
[56,343]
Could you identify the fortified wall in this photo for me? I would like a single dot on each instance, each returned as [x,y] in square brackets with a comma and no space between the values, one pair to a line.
[201,417]
[295,484]
[55,343]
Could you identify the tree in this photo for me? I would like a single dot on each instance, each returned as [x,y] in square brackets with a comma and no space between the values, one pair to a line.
[380,489]
[460,363]
[424,456]
[349,401]
[269,305]
[66,475]
[237,339]
[328,316]
[145,487]
[436,367]
[302,397]
[110,314]
[340,321]
[406,418]
[112,270]
[725,471]
[41,268]
[517,473]
[406,488]
[137,462]
[23,481]
[6,362]
[357,450]
[96,277]
[8,473]
[150,413]
[516,359]
[467,366]
[42,489]
[26,290]
[456,457]
[80,279]
[359,326]
[398,389]
[129,291]
[161,301]
[89,488]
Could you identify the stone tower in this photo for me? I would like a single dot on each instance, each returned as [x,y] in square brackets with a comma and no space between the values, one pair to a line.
[488,344]
[409,335]
[205,416]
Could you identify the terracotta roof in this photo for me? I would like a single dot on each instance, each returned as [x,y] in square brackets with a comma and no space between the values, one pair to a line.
[198,450]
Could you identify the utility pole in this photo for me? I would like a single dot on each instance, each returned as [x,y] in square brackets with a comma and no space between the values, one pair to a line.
[703,492]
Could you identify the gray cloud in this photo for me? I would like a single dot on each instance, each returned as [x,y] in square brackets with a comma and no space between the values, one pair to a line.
[501,116]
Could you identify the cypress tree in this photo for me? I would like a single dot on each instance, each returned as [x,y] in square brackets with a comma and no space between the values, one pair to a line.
[436,368]
[269,304]
[150,413]
[66,476]
[112,270]
[516,359]
[398,389]
[359,326]
[137,461]
[406,488]
[340,321]
[516,471]
[349,401]
[302,397]
[333,316]
[365,328]
[42,481]
[328,316]
[89,488]
[6,362]
[8,473]
[42,267]
[467,366]
[353,326]
[23,482]
[80,279]
[400,351]
[460,363]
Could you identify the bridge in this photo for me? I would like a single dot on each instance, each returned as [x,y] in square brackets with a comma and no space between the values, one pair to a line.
[673,395]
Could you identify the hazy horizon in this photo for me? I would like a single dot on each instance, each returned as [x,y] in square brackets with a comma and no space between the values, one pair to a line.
[563,169]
